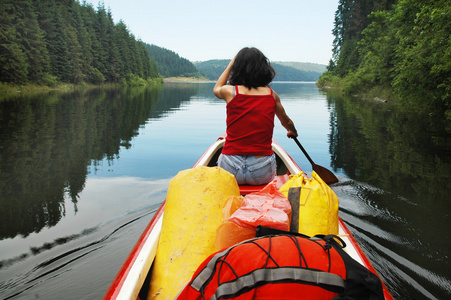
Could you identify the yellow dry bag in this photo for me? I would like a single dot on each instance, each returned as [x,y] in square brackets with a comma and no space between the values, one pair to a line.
[192,214]
[318,204]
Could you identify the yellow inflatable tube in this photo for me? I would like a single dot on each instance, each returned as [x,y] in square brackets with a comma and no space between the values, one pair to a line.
[192,214]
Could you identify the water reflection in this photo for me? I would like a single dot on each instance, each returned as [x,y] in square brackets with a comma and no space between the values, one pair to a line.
[79,241]
[47,142]
[398,196]
[93,161]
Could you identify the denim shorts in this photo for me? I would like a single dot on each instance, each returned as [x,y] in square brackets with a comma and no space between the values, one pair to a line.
[249,169]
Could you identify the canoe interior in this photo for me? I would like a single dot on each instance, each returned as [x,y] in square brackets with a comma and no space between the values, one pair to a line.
[282,173]
[285,167]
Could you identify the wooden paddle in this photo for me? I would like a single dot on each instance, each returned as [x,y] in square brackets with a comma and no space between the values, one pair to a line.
[324,173]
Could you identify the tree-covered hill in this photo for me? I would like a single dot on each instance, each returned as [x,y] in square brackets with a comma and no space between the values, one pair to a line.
[212,69]
[401,47]
[288,73]
[170,64]
[51,41]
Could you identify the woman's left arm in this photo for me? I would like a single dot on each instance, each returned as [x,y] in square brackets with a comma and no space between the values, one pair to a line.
[284,118]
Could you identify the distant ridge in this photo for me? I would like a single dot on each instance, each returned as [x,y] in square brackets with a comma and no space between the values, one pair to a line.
[170,64]
[303,66]
[212,69]
[286,71]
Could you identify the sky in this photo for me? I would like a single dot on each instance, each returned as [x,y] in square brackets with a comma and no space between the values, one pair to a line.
[200,30]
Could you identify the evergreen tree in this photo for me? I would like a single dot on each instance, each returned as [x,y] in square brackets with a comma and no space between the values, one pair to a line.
[122,33]
[71,23]
[32,40]
[85,40]
[90,54]
[113,73]
[132,52]
[145,60]
[56,38]
[100,46]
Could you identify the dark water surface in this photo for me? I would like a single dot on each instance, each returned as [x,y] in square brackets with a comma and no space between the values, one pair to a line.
[82,173]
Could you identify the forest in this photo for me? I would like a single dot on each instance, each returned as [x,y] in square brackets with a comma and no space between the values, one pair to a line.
[398,49]
[46,42]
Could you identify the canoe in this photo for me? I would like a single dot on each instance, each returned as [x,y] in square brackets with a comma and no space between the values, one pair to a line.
[131,277]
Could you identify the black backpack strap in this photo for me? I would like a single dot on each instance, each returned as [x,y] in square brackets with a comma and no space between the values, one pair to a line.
[332,239]
[361,283]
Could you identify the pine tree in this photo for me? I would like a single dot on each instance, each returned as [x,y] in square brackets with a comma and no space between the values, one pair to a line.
[121,35]
[32,40]
[71,25]
[56,38]
[92,54]
[100,45]
[113,67]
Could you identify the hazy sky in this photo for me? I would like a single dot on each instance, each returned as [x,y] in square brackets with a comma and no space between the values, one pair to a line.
[199,30]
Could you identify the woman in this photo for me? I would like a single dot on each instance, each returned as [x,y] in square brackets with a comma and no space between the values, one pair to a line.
[251,107]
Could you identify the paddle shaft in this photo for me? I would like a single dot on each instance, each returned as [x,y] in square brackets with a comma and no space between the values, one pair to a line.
[303,150]
[324,173]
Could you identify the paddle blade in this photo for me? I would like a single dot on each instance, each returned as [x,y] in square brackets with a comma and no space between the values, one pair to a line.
[325,174]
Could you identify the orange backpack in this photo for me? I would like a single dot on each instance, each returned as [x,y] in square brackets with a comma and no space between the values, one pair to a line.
[273,267]
[282,265]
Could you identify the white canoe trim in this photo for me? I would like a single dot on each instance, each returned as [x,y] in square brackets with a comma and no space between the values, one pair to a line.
[138,272]
[205,159]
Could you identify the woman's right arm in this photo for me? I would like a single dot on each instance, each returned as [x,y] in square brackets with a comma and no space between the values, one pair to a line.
[221,89]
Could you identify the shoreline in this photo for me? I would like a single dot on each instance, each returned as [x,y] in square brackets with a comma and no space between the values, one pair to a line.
[11,89]
[185,79]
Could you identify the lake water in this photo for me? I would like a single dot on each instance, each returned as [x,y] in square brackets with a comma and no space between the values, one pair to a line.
[83,172]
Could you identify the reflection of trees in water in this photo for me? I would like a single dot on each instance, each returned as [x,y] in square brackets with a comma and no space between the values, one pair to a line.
[406,156]
[175,94]
[390,146]
[48,141]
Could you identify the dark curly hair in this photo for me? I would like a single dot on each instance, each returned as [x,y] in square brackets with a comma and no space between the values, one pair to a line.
[251,69]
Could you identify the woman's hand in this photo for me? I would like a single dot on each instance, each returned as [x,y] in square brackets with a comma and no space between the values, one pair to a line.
[291,134]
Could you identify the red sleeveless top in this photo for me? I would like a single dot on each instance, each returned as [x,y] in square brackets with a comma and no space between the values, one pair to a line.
[250,124]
